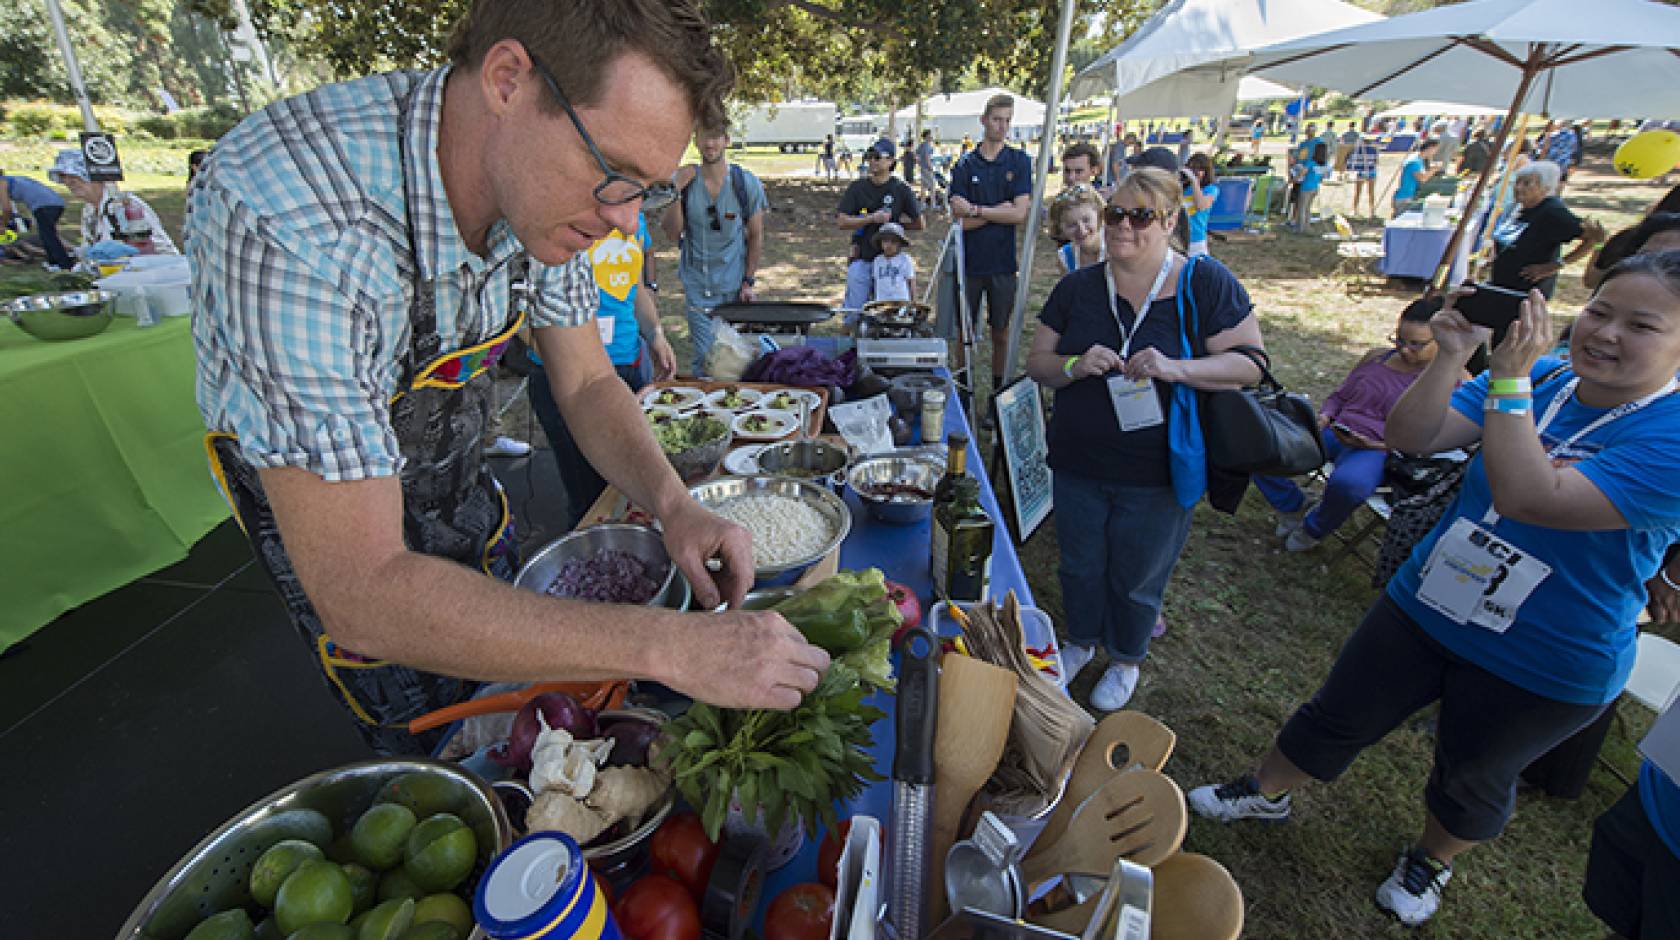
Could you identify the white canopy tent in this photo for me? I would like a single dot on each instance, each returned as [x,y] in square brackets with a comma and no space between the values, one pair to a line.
[1255,88]
[1438,109]
[1612,58]
[1188,59]
[952,116]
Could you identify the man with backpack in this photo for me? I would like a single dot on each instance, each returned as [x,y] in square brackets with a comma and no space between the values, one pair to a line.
[718,224]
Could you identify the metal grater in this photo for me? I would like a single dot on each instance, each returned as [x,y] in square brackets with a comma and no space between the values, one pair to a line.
[912,805]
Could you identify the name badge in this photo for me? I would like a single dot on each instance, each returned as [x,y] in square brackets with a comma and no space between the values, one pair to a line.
[1135,403]
[606,325]
[1476,578]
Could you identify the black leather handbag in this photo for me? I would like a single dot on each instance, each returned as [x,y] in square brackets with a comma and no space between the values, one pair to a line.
[1265,430]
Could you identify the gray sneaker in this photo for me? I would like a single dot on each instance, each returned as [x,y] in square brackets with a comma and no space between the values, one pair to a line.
[1412,892]
[1239,799]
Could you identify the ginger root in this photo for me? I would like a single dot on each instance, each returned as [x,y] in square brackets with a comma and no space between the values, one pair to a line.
[561,812]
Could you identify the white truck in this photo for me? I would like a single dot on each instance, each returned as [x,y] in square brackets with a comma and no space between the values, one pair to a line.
[790,126]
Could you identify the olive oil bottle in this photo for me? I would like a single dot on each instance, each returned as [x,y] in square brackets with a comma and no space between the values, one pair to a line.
[963,570]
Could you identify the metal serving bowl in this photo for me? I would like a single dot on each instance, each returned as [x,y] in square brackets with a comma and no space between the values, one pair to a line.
[830,506]
[216,874]
[66,315]
[638,540]
[817,461]
[923,472]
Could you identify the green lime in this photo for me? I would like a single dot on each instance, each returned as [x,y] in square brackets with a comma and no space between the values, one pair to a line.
[434,930]
[423,793]
[444,908]
[323,932]
[317,893]
[441,851]
[364,886]
[228,925]
[272,867]
[305,824]
[396,884]
[378,836]
[387,921]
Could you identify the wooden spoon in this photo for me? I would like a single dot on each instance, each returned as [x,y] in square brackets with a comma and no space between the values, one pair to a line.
[1195,899]
[976,706]
[1120,741]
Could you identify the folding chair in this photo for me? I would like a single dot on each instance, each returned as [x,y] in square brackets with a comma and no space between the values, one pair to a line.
[1356,256]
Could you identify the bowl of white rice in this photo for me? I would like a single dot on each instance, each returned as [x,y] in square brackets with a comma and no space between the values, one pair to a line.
[794,523]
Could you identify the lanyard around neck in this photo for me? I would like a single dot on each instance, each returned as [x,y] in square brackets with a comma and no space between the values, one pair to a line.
[1143,312]
[1614,414]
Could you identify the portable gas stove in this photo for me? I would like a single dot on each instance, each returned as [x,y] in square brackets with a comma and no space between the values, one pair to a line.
[891,319]
[774,318]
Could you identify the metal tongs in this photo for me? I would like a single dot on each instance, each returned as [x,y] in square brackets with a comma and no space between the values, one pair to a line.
[1123,910]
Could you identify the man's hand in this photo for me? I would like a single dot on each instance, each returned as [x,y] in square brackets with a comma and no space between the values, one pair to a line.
[961,207]
[692,537]
[746,294]
[1535,273]
[745,659]
[1664,604]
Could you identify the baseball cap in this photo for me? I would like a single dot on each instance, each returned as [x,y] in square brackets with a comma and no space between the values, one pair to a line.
[1158,157]
[891,230]
[883,146]
[68,163]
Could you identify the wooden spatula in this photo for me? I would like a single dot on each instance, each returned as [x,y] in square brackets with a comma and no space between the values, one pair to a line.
[1139,815]
[976,706]
[1196,899]
[1119,741]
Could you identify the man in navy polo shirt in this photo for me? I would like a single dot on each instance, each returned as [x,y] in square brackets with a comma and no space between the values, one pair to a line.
[991,191]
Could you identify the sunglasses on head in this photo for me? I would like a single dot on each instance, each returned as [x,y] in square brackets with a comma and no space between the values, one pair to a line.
[712,216]
[1139,217]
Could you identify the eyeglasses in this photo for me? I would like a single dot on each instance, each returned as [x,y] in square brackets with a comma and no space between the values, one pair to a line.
[1139,217]
[1411,343]
[616,189]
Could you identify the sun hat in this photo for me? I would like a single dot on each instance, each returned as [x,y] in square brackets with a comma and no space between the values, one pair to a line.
[68,163]
[891,230]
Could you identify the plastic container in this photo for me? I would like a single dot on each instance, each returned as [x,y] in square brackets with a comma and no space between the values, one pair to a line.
[1435,211]
[541,887]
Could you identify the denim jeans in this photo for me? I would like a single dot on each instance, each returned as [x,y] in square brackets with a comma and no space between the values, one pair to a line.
[702,331]
[1357,475]
[583,485]
[1119,545]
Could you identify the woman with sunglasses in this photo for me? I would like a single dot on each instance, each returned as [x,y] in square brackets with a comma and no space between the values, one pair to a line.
[1351,426]
[1109,342]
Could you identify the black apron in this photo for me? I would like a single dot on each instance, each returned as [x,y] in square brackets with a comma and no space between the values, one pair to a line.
[453,507]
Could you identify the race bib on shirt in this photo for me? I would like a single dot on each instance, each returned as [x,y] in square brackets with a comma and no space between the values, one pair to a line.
[1476,578]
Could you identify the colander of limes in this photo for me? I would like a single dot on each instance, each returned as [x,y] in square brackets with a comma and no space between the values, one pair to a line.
[395,846]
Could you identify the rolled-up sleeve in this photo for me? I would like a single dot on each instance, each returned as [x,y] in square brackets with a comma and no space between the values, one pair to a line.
[290,353]
[566,293]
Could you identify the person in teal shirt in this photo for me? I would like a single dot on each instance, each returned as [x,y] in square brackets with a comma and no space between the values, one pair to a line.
[1414,173]
[1310,173]
[1200,194]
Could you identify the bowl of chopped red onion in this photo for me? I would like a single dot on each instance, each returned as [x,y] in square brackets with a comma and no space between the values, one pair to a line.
[612,563]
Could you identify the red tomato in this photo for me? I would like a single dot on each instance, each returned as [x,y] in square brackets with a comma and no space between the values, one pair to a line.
[828,857]
[657,907]
[680,848]
[802,912]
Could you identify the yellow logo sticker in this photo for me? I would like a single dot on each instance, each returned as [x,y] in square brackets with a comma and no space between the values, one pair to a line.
[618,264]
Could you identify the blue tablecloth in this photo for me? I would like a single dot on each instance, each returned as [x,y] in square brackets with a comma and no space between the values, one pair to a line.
[1411,250]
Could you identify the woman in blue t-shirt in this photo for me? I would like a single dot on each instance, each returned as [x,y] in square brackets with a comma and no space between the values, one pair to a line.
[1517,612]
[1109,343]
[1199,196]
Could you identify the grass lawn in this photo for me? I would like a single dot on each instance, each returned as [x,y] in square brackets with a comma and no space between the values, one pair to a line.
[1253,628]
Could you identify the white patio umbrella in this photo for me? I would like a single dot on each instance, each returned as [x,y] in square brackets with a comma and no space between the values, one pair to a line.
[1438,108]
[1606,58]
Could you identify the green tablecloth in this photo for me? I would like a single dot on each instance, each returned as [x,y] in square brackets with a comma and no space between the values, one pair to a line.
[103,477]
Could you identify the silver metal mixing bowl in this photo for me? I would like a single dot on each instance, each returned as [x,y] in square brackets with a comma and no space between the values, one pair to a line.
[638,540]
[216,874]
[62,316]
[828,505]
[921,472]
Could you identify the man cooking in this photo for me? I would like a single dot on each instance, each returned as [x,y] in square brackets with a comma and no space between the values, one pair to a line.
[361,254]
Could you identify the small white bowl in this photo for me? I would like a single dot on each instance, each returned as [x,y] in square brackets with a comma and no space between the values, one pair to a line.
[781,424]
[748,398]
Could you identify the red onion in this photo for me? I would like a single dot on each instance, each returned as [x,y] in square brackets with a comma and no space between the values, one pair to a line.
[631,739]
[559,710]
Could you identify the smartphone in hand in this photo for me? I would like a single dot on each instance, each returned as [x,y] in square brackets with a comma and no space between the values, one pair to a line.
[1491,306]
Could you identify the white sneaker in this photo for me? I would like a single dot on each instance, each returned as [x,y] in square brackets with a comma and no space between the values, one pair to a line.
[1300,541]
[504,446]
[1115,688]
[1289,522]
[1239,799]
[1413,891]
[1074,658]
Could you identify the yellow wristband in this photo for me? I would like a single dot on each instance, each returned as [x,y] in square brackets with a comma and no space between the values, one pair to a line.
[1067,367]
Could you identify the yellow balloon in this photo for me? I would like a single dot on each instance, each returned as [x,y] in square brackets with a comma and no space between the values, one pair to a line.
[1650,154]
